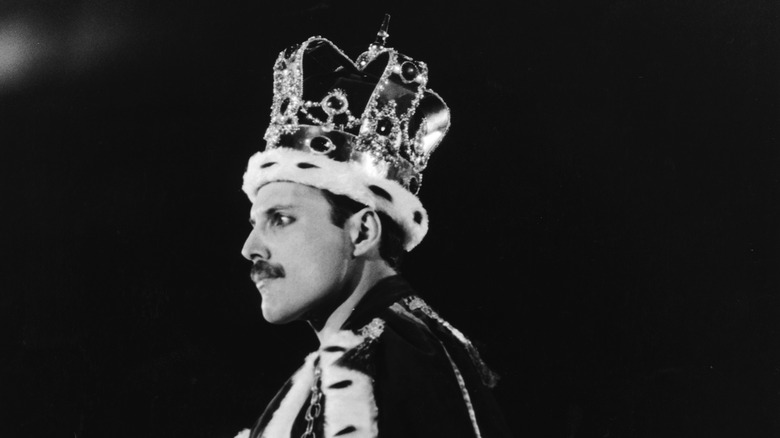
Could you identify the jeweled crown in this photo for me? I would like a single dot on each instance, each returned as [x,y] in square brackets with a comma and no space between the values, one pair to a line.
[376,112]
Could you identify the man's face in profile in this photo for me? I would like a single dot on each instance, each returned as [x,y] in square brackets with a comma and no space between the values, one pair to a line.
[300,258]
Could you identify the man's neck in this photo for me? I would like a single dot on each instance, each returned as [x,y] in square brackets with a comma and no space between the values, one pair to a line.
[370,274]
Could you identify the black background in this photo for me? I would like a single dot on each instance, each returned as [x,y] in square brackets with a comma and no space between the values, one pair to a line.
[604,211]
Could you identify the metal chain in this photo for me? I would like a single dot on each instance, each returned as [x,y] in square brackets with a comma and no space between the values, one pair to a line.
[315,408]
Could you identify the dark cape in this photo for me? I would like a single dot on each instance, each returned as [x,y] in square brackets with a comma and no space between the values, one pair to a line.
[396,370]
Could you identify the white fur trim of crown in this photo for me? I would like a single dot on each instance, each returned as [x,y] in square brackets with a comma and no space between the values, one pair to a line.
[342,178]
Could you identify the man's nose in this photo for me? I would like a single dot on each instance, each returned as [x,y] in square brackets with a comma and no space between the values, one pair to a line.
[254,247]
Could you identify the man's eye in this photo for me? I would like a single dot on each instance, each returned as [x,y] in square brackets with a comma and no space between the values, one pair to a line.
[280,220]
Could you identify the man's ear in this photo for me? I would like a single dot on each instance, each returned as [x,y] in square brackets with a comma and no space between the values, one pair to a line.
[365,231]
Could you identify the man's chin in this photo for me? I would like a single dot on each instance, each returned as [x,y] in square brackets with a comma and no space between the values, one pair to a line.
[276,317]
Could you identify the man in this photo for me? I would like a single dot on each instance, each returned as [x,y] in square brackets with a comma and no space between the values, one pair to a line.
[333,208]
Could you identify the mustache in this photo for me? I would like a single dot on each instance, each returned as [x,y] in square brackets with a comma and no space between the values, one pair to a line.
[261,270]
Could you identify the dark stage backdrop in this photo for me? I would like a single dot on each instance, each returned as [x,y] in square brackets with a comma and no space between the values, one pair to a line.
[604,212]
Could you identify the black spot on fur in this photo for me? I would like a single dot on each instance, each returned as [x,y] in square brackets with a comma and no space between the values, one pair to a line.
[418,217]
[341,384]
[334,349]
[346,430]
[359,359]
[267,165]
[379,191]
[304,165]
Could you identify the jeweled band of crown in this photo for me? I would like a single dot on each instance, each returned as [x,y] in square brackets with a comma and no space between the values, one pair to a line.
[377,112]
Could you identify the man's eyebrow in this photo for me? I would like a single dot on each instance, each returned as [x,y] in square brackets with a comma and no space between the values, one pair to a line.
[279,207]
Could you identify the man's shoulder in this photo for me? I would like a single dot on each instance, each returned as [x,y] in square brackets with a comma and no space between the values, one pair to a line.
[408,333]
[427,375]
[409,328]
[395,334]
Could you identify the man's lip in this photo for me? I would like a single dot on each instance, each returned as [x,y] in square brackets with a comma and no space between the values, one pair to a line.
[257,278]
[262,283]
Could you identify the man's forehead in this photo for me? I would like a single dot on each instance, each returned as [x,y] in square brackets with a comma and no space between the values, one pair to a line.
[285,193]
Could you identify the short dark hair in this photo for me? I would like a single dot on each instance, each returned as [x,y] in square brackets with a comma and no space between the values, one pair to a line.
[391,246]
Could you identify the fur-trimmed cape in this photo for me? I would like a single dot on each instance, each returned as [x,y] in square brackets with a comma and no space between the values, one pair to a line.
[396,369]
